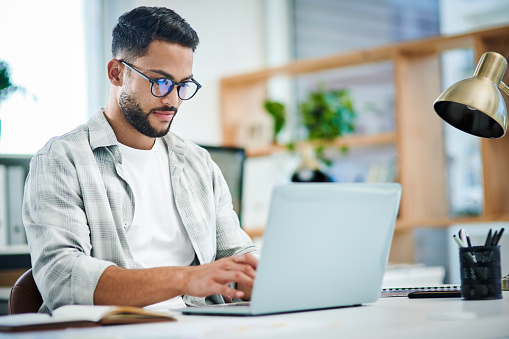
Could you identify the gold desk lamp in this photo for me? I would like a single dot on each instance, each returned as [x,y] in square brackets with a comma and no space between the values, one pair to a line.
[476,106]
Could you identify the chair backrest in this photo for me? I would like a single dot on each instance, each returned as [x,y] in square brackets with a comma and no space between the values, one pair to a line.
[24,296]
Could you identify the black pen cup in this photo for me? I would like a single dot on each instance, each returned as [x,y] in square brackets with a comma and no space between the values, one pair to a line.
[481,274]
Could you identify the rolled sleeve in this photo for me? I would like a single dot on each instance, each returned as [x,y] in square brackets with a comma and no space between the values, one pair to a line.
[84,277]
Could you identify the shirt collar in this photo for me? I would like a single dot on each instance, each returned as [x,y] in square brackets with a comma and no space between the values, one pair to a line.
[102,135]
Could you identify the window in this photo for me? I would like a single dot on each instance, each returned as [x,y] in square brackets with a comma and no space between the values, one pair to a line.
[42,41]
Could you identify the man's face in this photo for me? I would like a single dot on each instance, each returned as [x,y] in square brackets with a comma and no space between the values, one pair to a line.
[150,115]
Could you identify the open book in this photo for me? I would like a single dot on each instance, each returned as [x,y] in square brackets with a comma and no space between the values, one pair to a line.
[80,316]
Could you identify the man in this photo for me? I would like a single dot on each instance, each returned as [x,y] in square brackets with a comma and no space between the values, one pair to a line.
[122,211]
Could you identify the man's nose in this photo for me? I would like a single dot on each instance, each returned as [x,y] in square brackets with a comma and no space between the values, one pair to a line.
[172,98]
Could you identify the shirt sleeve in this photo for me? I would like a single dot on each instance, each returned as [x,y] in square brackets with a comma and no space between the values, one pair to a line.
[58,233]
[231,239]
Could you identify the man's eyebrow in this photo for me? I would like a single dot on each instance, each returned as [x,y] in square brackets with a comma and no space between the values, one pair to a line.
[169,76]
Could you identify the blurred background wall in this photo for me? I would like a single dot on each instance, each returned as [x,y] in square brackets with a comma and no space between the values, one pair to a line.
[58,49]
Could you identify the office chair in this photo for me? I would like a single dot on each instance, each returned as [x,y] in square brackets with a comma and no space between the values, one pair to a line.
[24,296]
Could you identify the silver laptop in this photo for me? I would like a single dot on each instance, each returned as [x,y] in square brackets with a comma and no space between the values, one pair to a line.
[325,245]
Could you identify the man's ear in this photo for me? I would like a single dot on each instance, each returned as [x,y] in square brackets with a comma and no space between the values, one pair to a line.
[115,69]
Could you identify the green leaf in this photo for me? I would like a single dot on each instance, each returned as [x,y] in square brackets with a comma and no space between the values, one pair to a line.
[278,112]
[6,87]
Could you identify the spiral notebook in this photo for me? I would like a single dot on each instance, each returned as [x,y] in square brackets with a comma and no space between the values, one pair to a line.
[405,291]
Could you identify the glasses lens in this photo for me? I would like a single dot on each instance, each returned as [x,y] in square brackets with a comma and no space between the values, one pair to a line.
[187,90]
[161,87]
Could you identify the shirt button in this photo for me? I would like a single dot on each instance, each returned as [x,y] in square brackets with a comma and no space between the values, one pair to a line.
[126,224]
[117,153]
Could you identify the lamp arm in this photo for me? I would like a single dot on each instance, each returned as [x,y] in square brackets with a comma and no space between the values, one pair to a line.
[503,87]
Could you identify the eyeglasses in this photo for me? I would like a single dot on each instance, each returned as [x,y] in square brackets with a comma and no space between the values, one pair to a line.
[162,86]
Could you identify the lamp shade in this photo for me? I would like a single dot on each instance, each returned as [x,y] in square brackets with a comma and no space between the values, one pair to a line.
[475,105]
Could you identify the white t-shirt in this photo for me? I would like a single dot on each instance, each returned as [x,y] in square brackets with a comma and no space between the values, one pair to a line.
[157,236]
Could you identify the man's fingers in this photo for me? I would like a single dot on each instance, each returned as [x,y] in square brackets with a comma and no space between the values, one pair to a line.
[214,278]
[227,291]
[235,277]
[246,269]
[246,258]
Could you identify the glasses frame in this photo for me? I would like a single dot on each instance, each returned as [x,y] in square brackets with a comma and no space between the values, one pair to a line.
[155,80]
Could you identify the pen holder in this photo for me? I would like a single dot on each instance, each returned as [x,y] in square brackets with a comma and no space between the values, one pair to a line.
[481,276]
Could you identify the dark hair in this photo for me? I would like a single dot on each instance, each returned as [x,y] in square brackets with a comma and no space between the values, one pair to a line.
[136,29]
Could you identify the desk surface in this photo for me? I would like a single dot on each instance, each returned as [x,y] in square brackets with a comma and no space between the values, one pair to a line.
[397,317]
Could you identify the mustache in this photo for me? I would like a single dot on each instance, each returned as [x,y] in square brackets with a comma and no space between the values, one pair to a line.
[165,108]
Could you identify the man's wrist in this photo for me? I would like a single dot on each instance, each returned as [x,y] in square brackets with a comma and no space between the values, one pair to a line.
[179,279]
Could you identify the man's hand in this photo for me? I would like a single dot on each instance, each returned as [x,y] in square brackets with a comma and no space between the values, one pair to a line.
[213,278]
[246,289]
[142,287]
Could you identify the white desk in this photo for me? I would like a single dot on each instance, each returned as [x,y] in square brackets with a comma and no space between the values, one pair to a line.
[397,317]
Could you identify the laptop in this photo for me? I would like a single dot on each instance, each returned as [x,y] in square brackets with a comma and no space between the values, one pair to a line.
[325,245]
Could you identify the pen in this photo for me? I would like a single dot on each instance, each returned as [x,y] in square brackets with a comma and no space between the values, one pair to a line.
[434,294]
[462,244]
[468,241]
[488,239]
[494,239]
[462,235]
[499,236]
[458,241]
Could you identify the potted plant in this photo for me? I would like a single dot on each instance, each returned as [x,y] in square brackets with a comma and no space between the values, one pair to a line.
[6,87]
[327,115]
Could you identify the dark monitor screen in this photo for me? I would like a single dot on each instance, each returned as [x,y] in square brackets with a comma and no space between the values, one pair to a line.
[231,162]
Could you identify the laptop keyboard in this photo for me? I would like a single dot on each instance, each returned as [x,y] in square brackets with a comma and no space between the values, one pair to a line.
[240,303]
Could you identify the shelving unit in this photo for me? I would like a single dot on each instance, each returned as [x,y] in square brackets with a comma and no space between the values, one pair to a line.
[14,259]
[418,137]
[22,161]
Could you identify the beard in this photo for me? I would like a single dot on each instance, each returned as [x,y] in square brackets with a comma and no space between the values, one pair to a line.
[139,119]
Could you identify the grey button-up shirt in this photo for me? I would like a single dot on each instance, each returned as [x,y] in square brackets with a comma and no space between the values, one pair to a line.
[78,208]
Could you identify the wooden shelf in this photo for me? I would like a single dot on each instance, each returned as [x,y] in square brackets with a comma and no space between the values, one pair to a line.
[264,151]
[14,249]
[418,138]
[403,226]
[354,140]
[362,140]
[428,46]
